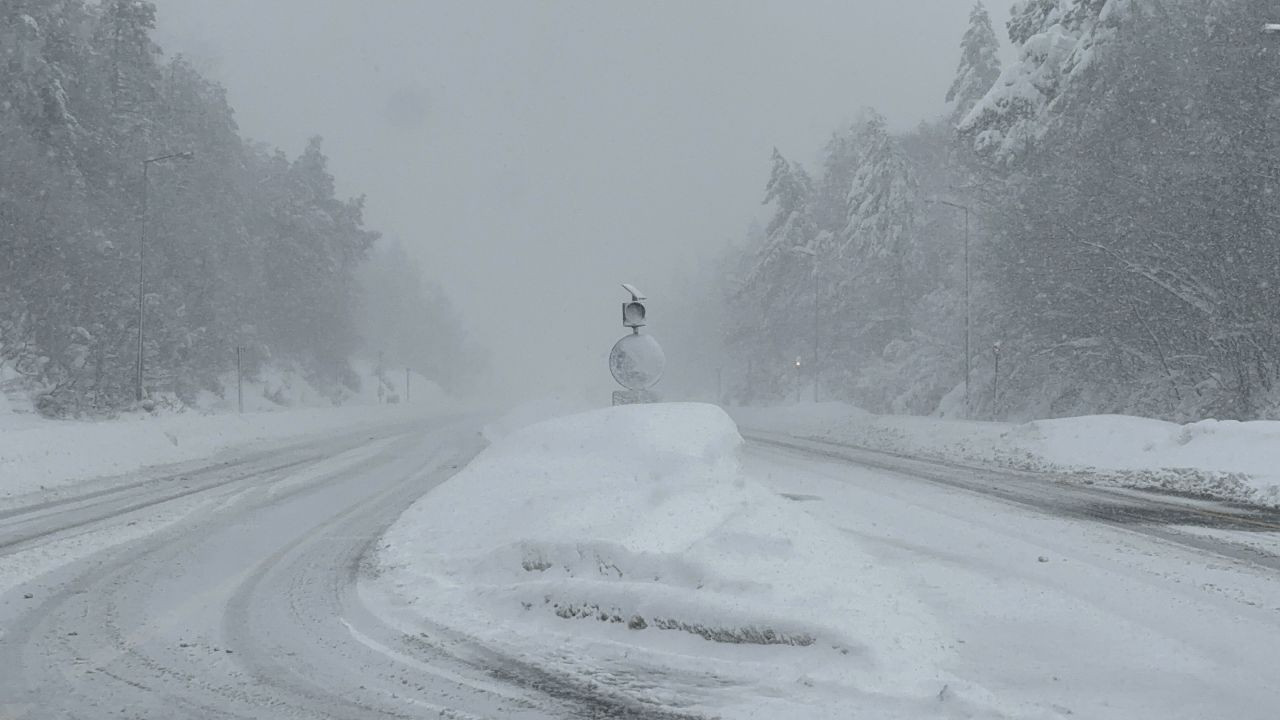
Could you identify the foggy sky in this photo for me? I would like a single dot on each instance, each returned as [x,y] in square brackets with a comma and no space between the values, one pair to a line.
[535,154]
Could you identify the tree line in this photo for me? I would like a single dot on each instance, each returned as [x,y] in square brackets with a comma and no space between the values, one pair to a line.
[233,243]
[1119,181]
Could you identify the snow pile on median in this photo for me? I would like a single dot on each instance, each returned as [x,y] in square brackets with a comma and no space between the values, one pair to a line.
[1229,460]
[624,548]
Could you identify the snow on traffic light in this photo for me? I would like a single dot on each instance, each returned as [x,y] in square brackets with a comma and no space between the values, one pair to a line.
[633,312]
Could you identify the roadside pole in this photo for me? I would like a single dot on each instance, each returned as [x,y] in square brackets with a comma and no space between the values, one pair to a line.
[799,380]
[995,385]
[239,380]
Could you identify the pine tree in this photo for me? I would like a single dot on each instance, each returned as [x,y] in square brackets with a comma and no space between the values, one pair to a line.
[881,195]
[243,246]
[862,240]
[1030,17]
[979,65]
[317,244]
[1135,259]
[789,190]
[774,297]
[878,238]
[1058,43]
[831,201]
[124,39]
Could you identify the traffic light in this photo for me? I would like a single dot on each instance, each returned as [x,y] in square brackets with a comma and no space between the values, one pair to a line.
[633,312]
[636,361]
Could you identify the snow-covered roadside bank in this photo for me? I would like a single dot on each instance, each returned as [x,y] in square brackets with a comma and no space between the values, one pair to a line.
[624,548]
[1227,460]
[43,455]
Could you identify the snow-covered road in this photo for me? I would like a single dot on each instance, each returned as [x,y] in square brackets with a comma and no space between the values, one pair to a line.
[246,588]
[1063,599]
[230,591]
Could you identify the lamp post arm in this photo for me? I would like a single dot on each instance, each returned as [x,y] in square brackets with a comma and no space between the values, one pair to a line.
[184,155]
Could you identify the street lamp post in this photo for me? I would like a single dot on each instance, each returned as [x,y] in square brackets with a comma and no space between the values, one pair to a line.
[799,379]
[968,322]
[142,250]
[995,384]
[813,255]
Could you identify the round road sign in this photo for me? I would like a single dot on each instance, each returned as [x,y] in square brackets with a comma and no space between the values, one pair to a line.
[637,362]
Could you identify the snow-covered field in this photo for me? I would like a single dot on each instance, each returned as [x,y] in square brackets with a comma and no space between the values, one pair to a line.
[627,547]
[1229,460]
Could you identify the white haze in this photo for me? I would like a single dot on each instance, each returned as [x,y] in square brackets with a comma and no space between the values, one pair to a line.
[535,154]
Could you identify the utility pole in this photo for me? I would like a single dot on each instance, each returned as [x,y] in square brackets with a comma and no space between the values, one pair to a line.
[382,385]
[816,324]
[968,316]
[142,250]
[813,257]
[406,386]
[239,379]
[799,379]
[995,385]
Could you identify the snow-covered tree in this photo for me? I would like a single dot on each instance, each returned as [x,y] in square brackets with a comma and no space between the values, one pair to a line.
[311,256]
[881,196]
[789,187]
[872,294]
[979,65]
[1123,234]
[123,37]
[244,246]
[774,296]
[1059,43]
[1135,257]
[789,191]
[840,272]
[880,206]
